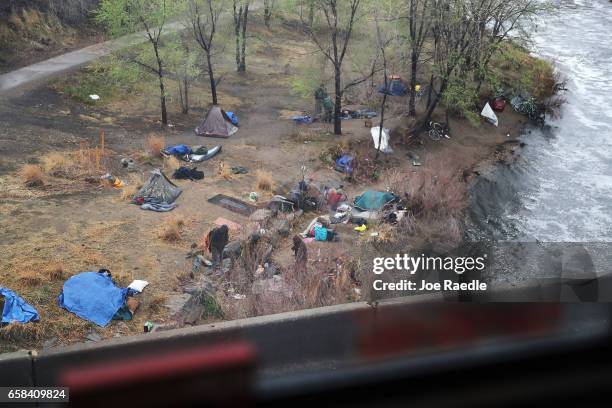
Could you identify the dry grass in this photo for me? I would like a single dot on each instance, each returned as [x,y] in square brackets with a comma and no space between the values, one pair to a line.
[134,184]
[55,271]
[171,163]
[225,171]
[264,181]
[29,278]
[172,229]
[55,163]
[155,144]
[156,303]
[31,175]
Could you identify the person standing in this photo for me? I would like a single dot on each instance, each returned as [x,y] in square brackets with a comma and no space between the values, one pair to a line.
[217,240]
[328,105]
[320,95]
[301,254]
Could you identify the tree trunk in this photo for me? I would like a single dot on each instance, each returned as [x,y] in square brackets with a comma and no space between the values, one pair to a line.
[242,66]
[211,76]
[237,18]
[311,14]
[162,90]
[338,104]
[267,14]
[186,92]
[434,103]
[431,82]
[413,80]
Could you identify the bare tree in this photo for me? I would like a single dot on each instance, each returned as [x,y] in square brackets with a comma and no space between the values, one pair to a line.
[268,10]
[333,41]
[123,16]
[241,15]
[203,19]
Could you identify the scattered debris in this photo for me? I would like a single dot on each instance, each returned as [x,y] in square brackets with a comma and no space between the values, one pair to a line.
[138,285]
[232,204]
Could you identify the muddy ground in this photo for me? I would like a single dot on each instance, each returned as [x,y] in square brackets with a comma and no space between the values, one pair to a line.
[82,227]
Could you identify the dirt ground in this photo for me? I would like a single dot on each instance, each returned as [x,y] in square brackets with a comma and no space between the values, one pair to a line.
[83,227]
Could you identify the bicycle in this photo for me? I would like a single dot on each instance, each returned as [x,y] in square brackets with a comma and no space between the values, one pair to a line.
[437,131]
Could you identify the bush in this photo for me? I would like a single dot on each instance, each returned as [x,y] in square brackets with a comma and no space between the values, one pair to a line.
[171,230]
[31,175]
[264,180]
[155,144]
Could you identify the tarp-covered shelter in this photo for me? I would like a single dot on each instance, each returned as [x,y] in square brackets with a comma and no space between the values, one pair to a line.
[216,124]
[395,87]
[489,115]
[92,296]
[159,188]
[373,200]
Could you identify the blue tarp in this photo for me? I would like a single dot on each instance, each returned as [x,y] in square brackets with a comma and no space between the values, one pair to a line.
[233,118]
[344,164]
[16,309]
[179,149]
[92,296]
[373,200]
[395,87]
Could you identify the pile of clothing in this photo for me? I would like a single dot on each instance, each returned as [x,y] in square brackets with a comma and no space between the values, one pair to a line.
[320,231]
[193,154]
[186,173]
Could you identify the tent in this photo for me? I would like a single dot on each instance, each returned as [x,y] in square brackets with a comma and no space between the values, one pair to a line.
[159,188]
[489,115]
[373,200]
[384,142]
[216,124]
[395,87]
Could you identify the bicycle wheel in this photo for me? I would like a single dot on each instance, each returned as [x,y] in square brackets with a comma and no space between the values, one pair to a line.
[434,134]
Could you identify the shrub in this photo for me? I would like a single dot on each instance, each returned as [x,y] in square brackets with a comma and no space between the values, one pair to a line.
[171,229]
[32,175]
[55,163]
[155,144]
[264,180]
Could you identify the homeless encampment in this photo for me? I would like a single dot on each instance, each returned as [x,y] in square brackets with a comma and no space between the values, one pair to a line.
[93,296]
[158,193]
[16,309]
[216,124]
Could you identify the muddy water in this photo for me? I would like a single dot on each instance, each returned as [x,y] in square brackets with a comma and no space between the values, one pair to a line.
[560,190]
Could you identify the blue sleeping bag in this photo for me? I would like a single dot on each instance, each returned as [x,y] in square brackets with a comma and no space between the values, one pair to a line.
[344,164]
[177,150]
[92,296]
[16,309]
[232,117]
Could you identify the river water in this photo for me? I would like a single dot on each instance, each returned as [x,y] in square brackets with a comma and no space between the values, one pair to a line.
[560,190]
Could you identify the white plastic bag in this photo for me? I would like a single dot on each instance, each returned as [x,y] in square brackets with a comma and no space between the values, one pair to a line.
[385,147]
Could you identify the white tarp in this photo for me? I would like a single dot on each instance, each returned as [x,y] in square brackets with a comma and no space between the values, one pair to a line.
[384,142]
[489,115]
